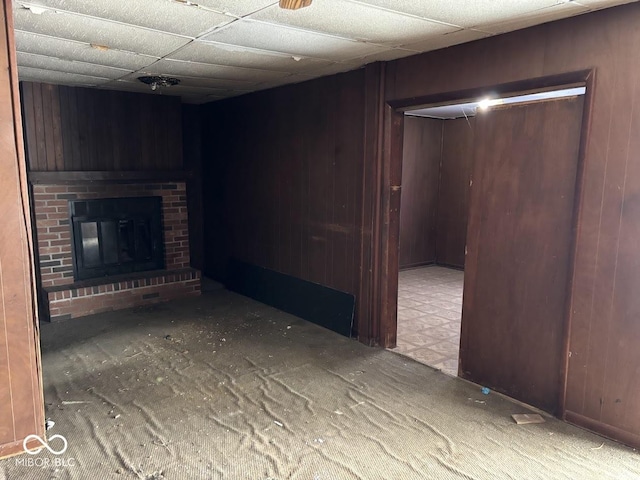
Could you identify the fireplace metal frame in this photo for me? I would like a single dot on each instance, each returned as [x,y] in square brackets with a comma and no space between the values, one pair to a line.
[135,211]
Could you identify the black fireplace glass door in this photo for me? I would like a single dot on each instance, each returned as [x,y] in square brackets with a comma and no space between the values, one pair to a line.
[109,230]
[116,235]
[90,244]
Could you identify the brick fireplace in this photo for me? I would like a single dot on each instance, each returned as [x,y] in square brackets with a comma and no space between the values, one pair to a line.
[64,296]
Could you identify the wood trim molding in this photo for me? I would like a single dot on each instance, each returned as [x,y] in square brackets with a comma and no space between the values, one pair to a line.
[386,193]
[603,429]
[587,118]
[366,306]
[76,177]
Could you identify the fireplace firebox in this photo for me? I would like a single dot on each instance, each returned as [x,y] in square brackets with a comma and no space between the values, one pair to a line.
[113,236]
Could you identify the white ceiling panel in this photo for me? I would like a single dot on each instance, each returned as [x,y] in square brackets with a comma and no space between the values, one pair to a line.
[288,80]
[387,55]
[43,62]
[193,85]
[235,56]
[542,16]
[79,51]
[63,78]
[602,3]
[294,41]
[353,20]
[465,13]
[332,69]
[162,15]
[178,68]
[100,32]
[442,41]
[227,47]
[132,85]
[199,82]
[238,8]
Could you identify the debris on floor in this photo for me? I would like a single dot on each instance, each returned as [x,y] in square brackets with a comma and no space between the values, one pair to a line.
[527,418]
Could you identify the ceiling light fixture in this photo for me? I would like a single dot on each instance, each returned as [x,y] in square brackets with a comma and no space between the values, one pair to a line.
[294,4]
[155,81]
[486,103]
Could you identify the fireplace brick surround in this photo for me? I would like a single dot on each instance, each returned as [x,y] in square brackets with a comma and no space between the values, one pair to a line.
[66,298]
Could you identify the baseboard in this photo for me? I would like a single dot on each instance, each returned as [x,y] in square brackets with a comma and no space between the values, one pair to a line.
[316,303]
[611,432]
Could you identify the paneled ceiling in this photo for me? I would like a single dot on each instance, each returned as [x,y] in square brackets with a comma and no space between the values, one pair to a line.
[224,48]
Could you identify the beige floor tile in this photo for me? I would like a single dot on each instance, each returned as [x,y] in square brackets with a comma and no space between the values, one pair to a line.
[429,316]
[427,356]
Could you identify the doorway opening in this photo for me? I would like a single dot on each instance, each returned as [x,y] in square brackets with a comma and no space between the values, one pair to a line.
[440,147]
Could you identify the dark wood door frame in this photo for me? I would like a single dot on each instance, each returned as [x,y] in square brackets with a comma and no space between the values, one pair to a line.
[383,137]
[21,377]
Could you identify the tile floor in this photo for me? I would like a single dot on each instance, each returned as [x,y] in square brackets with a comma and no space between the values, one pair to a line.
[429,315]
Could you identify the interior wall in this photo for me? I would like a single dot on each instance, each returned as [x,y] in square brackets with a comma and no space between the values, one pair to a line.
[84,129]
[520,226]
[603,386]
[419,198]
[283,181]
[453,193]
[436,167]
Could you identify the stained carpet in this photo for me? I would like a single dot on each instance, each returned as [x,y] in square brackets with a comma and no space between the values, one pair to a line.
[222,387]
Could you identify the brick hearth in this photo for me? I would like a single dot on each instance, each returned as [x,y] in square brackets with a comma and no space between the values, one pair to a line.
[66,298]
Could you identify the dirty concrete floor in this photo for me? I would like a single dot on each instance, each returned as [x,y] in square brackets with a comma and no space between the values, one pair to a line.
[222,387]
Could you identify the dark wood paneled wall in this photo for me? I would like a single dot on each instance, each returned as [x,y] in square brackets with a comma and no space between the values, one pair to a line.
[453,196]
[602,385]
[519,244]
[21,400]
[283,181]
[419,197]
[83,129]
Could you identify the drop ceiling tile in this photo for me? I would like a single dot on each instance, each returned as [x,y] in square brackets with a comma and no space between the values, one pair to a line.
[101,32]
[443,41]
[190,90]
[238,8]
[333,69]
[130,84]
[464,13]
[82,52]
[58,65]
[167,16]
[30,74]
[596,4]
[235,56]
[212,83]
[191,69]
[546,15]
[356,21]
[268,36]
[290,80]
[387,55]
